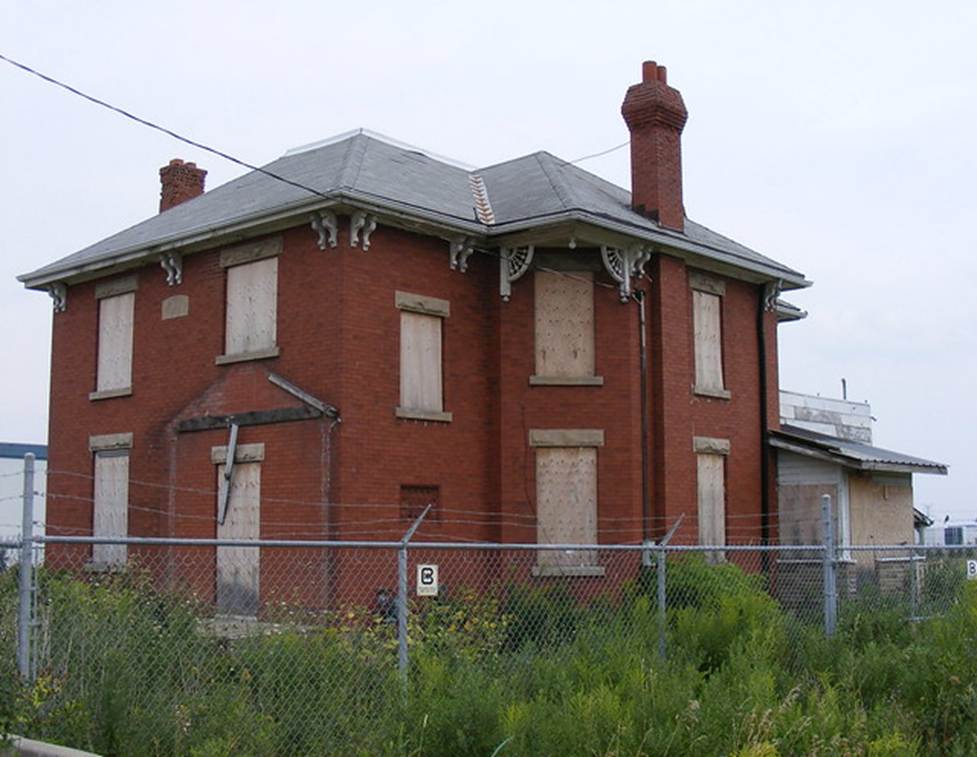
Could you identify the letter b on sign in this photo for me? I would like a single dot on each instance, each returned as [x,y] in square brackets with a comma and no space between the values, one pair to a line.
[971,569]
[427,580]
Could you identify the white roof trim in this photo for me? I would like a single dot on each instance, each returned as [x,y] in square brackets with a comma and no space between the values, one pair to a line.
[380,138]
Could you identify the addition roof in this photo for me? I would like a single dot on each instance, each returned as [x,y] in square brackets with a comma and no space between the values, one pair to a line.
[362,167]
[849,453]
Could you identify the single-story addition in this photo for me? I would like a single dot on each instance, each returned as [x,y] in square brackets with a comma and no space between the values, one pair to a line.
[824,446]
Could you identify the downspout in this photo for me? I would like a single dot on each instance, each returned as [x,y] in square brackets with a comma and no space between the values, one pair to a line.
[768,295]
[639,298]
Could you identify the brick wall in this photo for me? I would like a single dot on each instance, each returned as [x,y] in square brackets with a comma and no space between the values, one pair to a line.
[338,331]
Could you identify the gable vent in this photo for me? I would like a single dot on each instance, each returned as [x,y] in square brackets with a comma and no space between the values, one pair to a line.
[483,208]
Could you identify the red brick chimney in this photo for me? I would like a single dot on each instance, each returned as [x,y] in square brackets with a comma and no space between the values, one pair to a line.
[180,182]
[656,115]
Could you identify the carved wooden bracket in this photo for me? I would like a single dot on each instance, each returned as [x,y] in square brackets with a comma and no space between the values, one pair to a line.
[624,264]
[172,263]
[771,293]
[325,225]
[59,293]
[513,263]
[459,251]
[361,223]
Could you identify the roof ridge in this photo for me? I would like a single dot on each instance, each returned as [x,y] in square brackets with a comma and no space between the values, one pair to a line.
[353,161]
[562,192]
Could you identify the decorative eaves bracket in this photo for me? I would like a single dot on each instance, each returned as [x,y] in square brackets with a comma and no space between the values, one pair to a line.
[361,226]
[625,264]
[59,293]
[324,223]
[771,293]
[513,263]
[172,263]
[459,250]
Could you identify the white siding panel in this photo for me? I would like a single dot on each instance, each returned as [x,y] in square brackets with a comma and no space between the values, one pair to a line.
[111,508]
[566,503]
[564,325]
[252,296]
[420,362]
[115,317]
[706,312]
[238,568]
[712,499]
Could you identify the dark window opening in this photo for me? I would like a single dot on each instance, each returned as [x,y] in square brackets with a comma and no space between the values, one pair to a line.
[415,497]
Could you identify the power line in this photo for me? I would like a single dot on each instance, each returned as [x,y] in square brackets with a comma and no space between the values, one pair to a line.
[162,129]
[200,145]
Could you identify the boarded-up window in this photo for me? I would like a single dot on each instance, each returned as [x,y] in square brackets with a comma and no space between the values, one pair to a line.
[566,504]
[252,295]
[564,325]
[712,500]
[414,499]
[238,568]
[706,318]
[420,362]
[110,517]
[115,342]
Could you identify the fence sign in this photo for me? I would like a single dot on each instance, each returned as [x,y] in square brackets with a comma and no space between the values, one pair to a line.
[972,569]
[427,580]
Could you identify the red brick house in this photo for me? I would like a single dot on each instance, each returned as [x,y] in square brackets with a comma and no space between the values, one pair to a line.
[388,329]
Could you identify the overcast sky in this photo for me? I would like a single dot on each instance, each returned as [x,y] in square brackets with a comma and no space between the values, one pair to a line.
[836,137]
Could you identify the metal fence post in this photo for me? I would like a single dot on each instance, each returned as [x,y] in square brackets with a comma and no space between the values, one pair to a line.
[26,570]
[829,577]
[913,587]
[402,659]
[662,599]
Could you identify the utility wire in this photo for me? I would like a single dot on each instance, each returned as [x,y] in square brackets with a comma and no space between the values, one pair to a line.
[163,129]
[200,145]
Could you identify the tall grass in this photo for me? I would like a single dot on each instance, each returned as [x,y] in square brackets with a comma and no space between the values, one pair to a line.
[128,670]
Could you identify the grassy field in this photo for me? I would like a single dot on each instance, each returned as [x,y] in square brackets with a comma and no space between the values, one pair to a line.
[126,670]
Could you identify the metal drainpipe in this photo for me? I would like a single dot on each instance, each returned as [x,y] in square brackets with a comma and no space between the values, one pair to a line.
[764,423]
[639,298]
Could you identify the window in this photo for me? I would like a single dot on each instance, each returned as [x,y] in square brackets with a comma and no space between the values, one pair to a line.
[421,377]
[415,498]
[711,491]
[566,499]
[707,294]
[110,509]
[250,330]
[953,535]
[116,306]
[238,568]
[564,329]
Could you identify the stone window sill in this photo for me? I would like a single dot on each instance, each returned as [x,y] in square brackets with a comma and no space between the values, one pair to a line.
[107,394]
[241,357]
[103,567]
[535,380]
[415,414]
[716,393]
[557,571]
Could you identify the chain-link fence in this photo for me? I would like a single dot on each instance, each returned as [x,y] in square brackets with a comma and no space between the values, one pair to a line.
[306,644]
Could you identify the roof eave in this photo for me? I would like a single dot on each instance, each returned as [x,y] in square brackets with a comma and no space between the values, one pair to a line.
[790,279]
[854,463]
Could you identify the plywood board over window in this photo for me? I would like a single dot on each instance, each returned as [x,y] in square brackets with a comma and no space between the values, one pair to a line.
[110,516]
[421,366]
[564,328]
[711,484]
[566,498]
[251,314]
[115,324]
[238,568]
[707,323]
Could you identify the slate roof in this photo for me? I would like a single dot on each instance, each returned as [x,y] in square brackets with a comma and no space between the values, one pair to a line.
[850,453]
[525,192]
